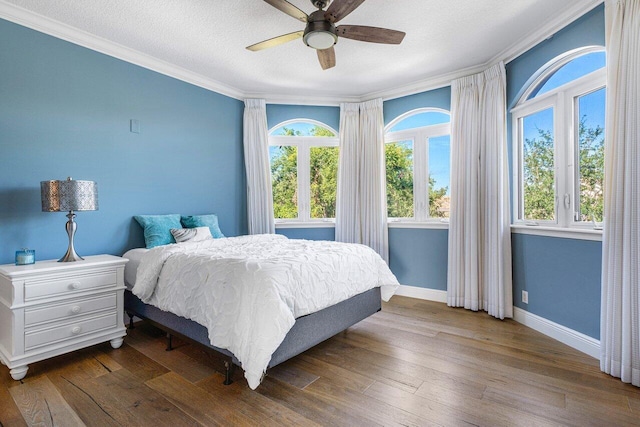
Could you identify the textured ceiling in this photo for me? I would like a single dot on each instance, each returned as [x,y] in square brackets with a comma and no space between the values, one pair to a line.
[208,38]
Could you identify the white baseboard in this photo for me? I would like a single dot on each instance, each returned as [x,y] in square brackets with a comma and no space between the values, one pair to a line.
[422,293]
[574,339]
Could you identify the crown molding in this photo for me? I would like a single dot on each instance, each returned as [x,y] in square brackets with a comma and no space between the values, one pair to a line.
[29,19]
[317,100]
[424,85]
[65,32]
[398,92]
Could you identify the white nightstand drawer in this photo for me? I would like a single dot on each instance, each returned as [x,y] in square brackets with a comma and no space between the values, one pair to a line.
[70,330]
[34,289]
[51,308]
[70,309]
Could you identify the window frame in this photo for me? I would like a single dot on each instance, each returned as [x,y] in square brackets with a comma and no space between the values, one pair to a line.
[304,145]
[564,101]
[420,137]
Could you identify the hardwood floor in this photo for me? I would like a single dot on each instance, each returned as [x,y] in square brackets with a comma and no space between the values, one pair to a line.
[416,363]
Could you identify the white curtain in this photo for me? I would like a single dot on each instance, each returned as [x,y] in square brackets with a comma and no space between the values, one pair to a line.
[347,221]
[479,266]
[256,163]
[361,205]
[620,317]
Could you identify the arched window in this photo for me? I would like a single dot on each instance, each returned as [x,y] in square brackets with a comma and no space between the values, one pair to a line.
[558,134]
[303,155]
[417,153]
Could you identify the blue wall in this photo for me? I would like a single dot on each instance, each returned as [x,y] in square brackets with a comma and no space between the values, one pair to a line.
[438,98]
[418,257]
[65,111]
[562,276]
[321,233]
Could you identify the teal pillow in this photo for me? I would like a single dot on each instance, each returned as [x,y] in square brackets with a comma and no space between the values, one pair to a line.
[210,221]
[157,228]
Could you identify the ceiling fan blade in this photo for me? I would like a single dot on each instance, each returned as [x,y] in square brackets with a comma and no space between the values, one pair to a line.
[275,41]
[341,8]
[289,9]
[370,34]
[327,58]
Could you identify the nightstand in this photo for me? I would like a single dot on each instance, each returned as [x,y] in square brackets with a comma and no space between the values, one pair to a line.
[51,308]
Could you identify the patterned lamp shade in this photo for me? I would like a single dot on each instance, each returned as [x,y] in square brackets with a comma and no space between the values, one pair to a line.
[69,195]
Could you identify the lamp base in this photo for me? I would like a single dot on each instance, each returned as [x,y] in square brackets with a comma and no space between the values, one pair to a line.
[71,254]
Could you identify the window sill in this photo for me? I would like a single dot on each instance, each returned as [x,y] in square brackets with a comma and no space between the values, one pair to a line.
[565,233]
[434,225]
[309,224]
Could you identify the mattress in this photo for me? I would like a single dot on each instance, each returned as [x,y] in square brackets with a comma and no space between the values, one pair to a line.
[134,256]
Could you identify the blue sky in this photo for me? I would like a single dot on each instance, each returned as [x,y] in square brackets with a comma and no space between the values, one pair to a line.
[541,120]
[439,161]
[578,67]
[591,105]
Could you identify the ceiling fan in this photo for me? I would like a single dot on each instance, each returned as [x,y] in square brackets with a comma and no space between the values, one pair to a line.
[321,32]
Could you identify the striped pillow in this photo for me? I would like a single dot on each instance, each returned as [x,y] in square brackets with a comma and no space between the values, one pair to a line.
[191,234]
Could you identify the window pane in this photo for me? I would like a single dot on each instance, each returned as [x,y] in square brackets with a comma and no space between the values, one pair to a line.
[323,183]
[399,163]
[439,175]
[427,118]
[578,67]
[538,166]
[284,180]
[590,170]
[302,129]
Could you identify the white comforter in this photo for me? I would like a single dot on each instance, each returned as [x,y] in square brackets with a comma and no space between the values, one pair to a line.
[249,290]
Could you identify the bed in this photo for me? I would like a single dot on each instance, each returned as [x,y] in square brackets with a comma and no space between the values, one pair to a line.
[255,298]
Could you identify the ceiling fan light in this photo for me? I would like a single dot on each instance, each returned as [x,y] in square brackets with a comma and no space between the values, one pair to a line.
[320,39]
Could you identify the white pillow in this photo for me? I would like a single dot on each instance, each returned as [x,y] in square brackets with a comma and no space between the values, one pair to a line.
[197,234]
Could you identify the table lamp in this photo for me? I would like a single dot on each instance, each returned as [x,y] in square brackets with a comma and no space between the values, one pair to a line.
[69,196]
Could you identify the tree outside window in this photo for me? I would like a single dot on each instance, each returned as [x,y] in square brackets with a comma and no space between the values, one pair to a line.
[417,154]
[304,166]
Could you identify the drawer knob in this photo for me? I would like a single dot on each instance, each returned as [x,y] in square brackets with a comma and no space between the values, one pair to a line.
[76,330]
[74,285]
[75,309]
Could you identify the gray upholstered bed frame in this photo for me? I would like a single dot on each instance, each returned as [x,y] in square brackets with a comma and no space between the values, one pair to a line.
[308,330]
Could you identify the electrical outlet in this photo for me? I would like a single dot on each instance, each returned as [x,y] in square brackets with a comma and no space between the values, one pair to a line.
[525,297]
